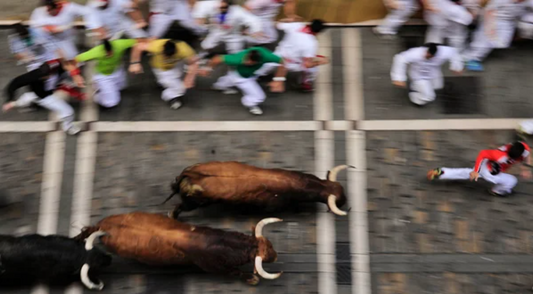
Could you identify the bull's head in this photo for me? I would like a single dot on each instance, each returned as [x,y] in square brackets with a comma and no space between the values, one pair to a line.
[96,259]
[335,197]
[265,250]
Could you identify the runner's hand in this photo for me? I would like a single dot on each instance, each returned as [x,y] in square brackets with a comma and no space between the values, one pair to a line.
[399,84]
[526,174]
[79,81]
[474,176]
[136,68]
[8,106]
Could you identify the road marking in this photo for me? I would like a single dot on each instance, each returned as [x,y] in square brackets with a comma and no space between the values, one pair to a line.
[440,124]
[27,126]
[324,160]
[205,126]
[85,168]
[356,156]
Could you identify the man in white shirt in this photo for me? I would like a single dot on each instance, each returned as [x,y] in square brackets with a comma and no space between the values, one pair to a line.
[425,72]
[298,48]
[164,13]
[226,22]
[399,13]
[525,25]
[119,17]
[496,29]
[55,21]
[267,11]
[29,48]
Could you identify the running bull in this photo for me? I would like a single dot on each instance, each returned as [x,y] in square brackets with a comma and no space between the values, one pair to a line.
[237,183]
[50,259]
[157,240]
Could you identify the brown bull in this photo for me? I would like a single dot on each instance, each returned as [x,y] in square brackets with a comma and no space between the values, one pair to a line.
[237,183]
[154,239]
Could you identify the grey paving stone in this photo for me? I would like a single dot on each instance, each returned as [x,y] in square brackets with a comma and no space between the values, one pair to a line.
[21,167]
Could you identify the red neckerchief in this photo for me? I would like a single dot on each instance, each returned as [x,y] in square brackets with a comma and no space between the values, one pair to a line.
[54,64]
[307,30]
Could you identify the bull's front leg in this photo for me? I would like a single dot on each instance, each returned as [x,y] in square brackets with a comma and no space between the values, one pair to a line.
[250,279]
[185,205]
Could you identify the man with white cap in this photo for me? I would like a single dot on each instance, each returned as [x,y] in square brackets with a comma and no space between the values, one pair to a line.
[55,21]
[425,72]
[267,11]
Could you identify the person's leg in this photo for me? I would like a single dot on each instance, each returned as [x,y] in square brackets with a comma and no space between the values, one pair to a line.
[172,84]
[159,24]
[422,92]
[503,183]
[63,111]
[107,90]
[253,95]
[445,173]
[394,20]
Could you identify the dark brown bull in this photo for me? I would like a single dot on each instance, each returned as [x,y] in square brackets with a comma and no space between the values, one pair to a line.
[237,183]
[154,239]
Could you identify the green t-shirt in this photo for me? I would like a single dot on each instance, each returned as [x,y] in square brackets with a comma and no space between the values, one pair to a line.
[106,65]
[247,71]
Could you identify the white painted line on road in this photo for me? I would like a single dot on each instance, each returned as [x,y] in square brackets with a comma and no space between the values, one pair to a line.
[440,124]
[27,126]
[353,68]
[85,168]
[323,105]
[324,160]
[205,126]
[356,156]
[357,179]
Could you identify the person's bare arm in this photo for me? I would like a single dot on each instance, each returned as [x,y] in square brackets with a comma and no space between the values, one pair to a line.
[191,72]
[135,58]
[278,82]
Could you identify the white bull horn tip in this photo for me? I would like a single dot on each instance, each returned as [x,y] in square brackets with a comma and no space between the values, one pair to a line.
[262,223]
[84,275]
[264,274]
[89,244]
[332,205]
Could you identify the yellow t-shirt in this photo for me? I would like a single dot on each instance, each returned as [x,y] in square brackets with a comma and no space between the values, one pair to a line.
[159,61]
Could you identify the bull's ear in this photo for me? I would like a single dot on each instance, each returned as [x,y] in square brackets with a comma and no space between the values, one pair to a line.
[327,175]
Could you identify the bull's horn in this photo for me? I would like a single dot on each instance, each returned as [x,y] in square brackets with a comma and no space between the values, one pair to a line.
[262,272]
[84,274]
[332,204]
[260,225]
[89,244]
[332,175]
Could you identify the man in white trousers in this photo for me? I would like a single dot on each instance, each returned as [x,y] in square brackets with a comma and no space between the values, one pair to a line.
[29,48]
[490,166]
[496,29]
[425,72]
[525,25]
[449,19]
[267,11]
[119,17]
[44,82]
[298,48]
[55,22]
[167,59]
[244,77]
[110,77]
[399,13]
[163,13]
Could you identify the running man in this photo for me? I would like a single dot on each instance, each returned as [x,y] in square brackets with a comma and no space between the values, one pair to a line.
[110,76]
[490,166]
[244,77]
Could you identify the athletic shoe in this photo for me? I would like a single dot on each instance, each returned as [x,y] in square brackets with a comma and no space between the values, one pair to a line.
[434,174]
[474,65]
[380,35]
[491,192]
[255,110]
[175,103]
[226,91]
[73,130]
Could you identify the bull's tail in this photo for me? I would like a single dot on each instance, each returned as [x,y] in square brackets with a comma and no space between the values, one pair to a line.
[85,233]
[175,187]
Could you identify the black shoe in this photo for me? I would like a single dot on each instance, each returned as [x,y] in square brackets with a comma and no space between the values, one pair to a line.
[500,195]
[175,103]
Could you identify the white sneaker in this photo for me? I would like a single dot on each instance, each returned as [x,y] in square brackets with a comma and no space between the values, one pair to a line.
[175,103]
[73,130]
[383,36]
[255,110]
